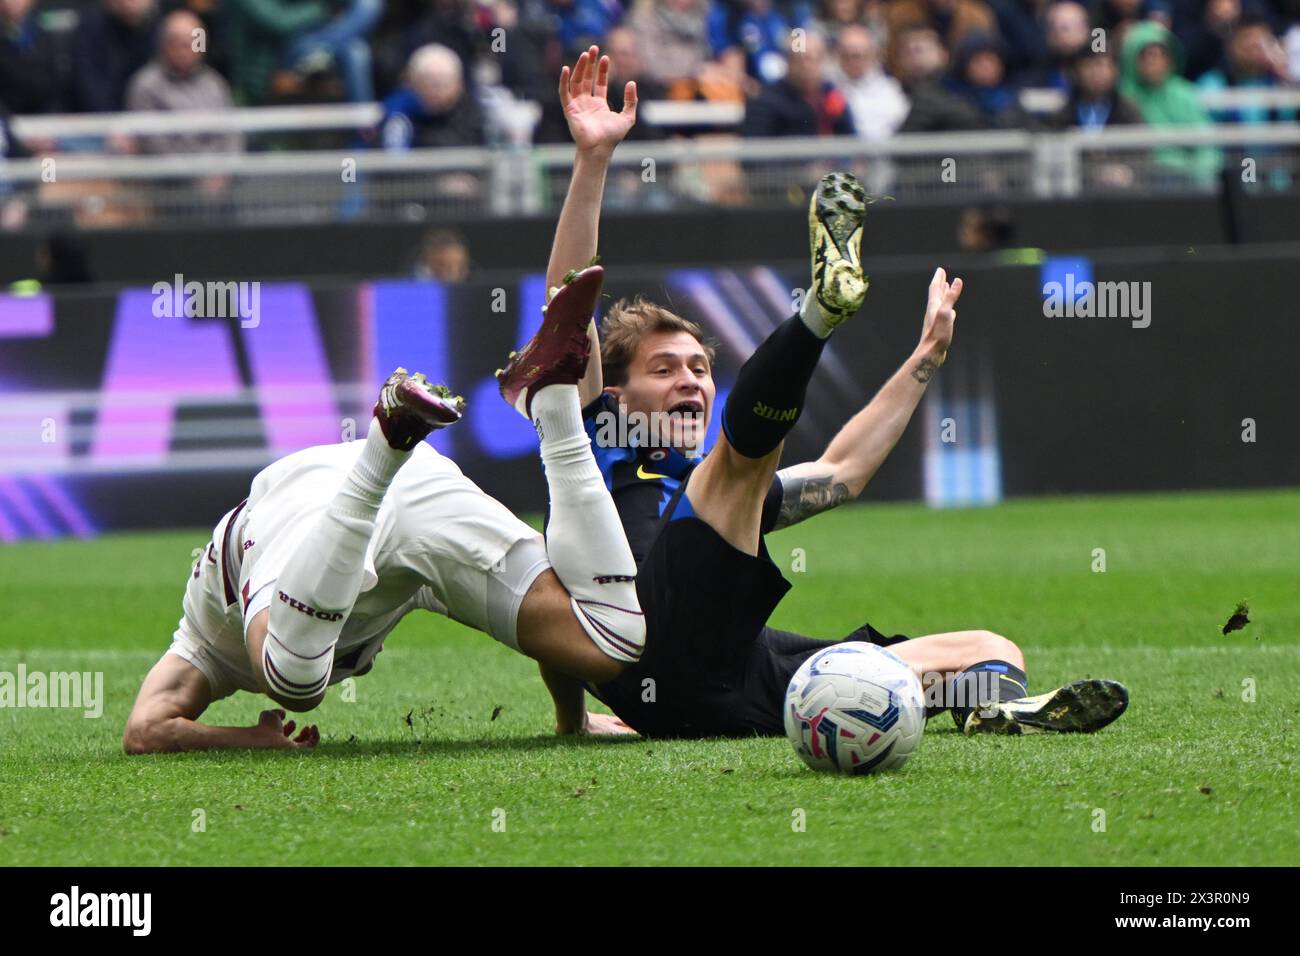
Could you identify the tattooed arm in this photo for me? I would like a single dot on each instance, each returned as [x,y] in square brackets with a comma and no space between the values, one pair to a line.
[861,446]
[806,490]
[858,451]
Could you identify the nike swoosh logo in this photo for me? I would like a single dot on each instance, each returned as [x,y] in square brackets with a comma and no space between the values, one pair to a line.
[648,475]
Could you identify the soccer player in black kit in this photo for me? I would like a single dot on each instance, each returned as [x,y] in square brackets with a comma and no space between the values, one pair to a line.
[696,520]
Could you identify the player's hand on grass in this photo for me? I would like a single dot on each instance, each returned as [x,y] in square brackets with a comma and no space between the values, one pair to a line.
[595,725]
[584,95]
[280,734]
[606,725]
[940,316]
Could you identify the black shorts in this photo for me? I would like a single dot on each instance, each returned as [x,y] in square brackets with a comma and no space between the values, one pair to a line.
[712,667]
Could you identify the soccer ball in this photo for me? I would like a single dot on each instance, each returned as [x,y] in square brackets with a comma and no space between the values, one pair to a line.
[855,708]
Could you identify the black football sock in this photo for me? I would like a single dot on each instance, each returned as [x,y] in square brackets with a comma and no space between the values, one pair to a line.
[769,392]
[983,683]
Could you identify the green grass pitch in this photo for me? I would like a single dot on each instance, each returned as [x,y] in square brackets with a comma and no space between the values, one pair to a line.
[1201,770]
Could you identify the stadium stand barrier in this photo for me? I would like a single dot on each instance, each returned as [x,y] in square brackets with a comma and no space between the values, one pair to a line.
[90,189]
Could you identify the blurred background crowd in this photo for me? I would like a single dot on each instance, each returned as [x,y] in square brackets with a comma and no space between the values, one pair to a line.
[322,145]
[447,71]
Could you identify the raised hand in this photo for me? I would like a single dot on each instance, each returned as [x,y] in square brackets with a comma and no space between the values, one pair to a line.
[940,316]
[584,94]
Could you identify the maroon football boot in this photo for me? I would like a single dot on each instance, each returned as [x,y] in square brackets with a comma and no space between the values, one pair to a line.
[409,408]
[558,353]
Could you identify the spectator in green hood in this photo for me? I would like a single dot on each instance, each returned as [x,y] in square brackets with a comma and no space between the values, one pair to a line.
[1150,65]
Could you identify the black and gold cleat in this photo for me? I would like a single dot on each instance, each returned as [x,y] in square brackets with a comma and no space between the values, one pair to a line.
[1080,707]
[835,216]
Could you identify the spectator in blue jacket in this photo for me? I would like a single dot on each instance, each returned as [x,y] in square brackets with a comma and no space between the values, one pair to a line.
[979,77]
[759,28]
[1020,24]
[29,74]
[340,40]
[584,22]
[113,42]
[433,107]
[1094,101]
[804,102]
[1068,34]
[1255,60]
[1204,36]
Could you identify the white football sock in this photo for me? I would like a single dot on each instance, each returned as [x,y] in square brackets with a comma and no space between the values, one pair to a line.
[813,317]
[321,582]
[379,461]
[584,537]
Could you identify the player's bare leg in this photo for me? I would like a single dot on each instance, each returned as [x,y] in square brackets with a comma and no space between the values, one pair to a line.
[964,664]
[165,717]
[320,584]
[594,571]
[980,677]
[727,489]
[549,631]
[726,492]
[953,651]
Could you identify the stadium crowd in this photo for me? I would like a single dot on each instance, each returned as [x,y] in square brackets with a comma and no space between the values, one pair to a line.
[445,70]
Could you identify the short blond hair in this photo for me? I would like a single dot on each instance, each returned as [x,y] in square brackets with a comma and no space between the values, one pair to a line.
[627,323]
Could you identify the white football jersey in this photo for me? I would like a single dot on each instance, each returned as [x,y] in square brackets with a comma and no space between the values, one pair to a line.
[437,538]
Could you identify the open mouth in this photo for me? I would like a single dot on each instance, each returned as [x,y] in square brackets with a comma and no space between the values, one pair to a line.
[689,407]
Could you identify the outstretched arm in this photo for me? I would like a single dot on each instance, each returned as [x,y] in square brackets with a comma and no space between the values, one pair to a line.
[857,452]
[596,129]
[165,717]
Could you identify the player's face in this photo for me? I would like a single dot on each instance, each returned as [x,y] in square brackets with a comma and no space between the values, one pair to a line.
[671,373]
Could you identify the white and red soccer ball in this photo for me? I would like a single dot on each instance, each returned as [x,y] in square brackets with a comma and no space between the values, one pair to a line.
[854,708]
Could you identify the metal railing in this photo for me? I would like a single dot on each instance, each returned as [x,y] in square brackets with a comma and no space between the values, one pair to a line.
[352,117]
[261,119]
[349,185]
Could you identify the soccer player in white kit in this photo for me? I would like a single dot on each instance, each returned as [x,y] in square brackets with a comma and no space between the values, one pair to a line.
[302,583]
